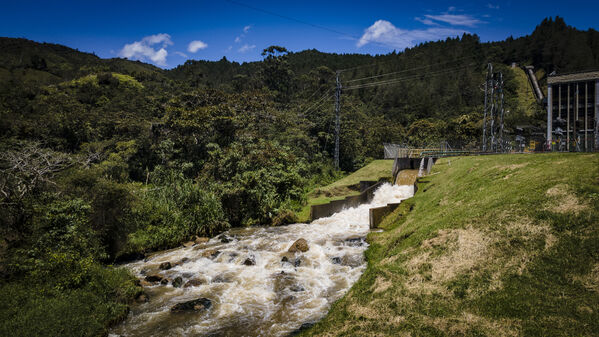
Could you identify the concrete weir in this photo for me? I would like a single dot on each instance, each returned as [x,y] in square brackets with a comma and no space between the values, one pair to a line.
[367,189]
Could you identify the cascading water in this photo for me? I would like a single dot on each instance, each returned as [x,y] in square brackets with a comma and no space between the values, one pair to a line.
[421,170]
[271,295]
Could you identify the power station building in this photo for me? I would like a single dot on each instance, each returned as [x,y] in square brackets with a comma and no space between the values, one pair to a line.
[573,112]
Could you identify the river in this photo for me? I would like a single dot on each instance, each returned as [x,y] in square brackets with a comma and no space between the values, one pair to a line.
[255,286]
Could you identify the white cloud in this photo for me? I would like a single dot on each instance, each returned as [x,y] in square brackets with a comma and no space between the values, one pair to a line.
[246,47]
[455,19]
[427,22]
[144,50]
[246,29]
[490,5]
[451,9]
[385,32]
[181,54]
[196,45]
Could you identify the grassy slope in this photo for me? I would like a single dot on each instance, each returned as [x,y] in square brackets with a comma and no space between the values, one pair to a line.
[494,246]
[339,189]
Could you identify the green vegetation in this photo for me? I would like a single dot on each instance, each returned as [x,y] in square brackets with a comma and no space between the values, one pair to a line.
[104,160]
[489,246]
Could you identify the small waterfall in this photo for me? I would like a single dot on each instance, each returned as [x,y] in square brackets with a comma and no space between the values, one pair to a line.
[272,295]
[421,169]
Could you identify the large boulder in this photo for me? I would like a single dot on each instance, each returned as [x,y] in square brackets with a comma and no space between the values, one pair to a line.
[177,282]
[194,283]
[249,261]
[200,304]
[153,278]
[301,245]
[210,253]
[165,265]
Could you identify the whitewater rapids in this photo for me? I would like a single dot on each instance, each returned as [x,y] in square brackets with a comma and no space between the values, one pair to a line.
[270,298]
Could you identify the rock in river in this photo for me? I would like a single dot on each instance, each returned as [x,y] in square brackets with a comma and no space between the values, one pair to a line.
[154,278]
[250,261]
[177,282]
[211,253]
[194,283]
[196,305]
[165,265]
[301,245]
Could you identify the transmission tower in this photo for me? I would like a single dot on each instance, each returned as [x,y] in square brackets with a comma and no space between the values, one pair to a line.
[494,112]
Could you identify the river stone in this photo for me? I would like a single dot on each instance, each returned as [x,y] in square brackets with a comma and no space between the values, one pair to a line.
[211,253]
[193,283]
[196,305]
[336,260]
[221,279]
[164,281]
[296,288]
[177,282]
[200,240]
[142,298]
[354,241]
[188,244]
[224,238]
[165,265]
[153,278]
[301,245]
[250,261]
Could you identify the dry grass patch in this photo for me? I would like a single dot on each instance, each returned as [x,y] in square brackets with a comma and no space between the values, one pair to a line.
[363,311]
[381,284]
[562,200]
[590,280]
[466,322]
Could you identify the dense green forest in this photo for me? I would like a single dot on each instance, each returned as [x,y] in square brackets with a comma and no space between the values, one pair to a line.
[104,160]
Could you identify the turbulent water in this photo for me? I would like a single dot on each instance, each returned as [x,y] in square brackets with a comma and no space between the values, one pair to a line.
[271,297]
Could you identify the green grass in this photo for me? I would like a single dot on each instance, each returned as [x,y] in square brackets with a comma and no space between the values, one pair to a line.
[503,245]
[373,171]
[345,186]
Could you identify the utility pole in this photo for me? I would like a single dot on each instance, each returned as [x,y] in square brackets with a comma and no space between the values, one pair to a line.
[501,112]
[492,114]
[337,97]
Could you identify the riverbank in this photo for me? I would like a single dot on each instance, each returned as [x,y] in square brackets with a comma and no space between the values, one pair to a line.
[498,245]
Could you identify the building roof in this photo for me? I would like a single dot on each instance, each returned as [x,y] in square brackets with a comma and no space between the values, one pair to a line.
[573,77]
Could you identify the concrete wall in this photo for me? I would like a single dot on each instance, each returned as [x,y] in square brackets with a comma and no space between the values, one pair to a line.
[325,210]
[378,214]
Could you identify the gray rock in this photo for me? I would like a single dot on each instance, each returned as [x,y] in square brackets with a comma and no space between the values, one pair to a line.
[177,282]
[200,304]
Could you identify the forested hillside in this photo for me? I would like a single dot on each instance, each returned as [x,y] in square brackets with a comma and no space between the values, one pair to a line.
[103,160]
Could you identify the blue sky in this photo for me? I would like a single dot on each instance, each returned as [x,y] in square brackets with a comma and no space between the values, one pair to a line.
[167,33]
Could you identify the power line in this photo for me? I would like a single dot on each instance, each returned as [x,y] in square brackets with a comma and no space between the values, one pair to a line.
[402,79]
[409,70]
[326,95]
